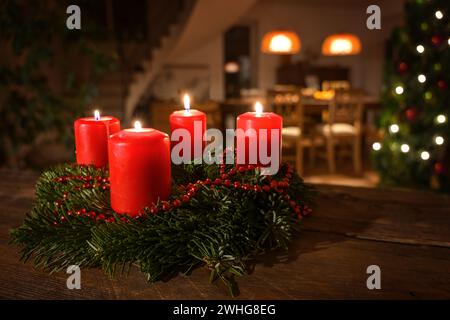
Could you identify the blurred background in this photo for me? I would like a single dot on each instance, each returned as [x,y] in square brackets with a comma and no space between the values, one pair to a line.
[361,107]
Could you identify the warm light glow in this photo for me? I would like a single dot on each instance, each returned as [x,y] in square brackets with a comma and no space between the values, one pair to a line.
[258,108]
[97,115]
[448,41]
[231,67]
[425,155]
[137,125]
[376,146]
[399,90]
[404,147]
[441,118]
[394,128]
[187,102]
[341,44]
[280,42]
[439,140]
[421,78]
[439,15]
[420,48]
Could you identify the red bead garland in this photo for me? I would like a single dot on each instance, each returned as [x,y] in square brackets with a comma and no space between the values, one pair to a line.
[186,192]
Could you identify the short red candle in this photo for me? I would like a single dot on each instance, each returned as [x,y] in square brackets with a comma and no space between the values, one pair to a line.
[139,169]
[257,121]
[91,139]
[186,119]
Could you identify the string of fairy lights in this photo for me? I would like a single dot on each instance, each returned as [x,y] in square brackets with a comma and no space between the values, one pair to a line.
[439,120]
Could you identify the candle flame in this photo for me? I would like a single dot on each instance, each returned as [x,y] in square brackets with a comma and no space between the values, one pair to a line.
[97,115]
[187,102]
[137,125]
[258,108]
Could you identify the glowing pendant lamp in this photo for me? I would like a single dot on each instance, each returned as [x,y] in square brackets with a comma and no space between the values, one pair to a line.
[280,42]
[341,44]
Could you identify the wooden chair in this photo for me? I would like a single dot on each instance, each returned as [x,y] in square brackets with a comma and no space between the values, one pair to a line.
[343,126]
[287,103]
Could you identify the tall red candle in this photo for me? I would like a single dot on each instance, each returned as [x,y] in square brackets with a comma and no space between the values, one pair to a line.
[258,120]
[91,138]
[194,122]
[139,169]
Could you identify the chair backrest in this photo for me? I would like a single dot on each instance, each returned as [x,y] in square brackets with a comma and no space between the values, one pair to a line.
[346,107]
[287,103]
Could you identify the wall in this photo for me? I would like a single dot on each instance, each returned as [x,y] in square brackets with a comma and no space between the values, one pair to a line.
[197,71]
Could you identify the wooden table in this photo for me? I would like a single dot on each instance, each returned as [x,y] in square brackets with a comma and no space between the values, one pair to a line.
[405,233]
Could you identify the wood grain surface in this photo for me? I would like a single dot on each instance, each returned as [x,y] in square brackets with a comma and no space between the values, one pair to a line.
[406,233]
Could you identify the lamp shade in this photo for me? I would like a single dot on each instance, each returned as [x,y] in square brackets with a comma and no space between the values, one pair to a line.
[341,44]
[280,42]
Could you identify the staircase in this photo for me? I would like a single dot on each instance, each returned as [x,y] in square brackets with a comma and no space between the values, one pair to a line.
[179,26]
[120,91]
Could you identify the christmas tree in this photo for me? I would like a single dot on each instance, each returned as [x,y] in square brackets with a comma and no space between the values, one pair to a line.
[416,102]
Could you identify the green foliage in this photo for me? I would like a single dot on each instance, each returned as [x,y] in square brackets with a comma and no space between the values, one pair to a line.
[221,227]
[36,47]
[416,110]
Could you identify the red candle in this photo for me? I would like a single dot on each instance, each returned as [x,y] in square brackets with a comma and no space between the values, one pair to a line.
[139,169]
[91,138]
[194,122]
[249,149]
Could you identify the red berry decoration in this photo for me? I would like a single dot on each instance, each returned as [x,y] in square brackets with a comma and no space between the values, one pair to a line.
[165,206]
[217,181]
[237,184]
[412,114]
[273,183]
[154,210]
[402,67]
[436,40]
[439,168]
[185,198]
[266,188]
[176,203]
[227,183]
[442,84]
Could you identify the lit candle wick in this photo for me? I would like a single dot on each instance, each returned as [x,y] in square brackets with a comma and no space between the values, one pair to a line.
[187,103]
[97,115]
[137,125]
[258,108]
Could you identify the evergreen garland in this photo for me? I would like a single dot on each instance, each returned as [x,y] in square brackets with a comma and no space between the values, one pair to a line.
[219,216]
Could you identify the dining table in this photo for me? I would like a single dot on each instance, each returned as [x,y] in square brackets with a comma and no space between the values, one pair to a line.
[404,235]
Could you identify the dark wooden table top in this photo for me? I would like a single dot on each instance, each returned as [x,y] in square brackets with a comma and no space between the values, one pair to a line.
[405,233]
